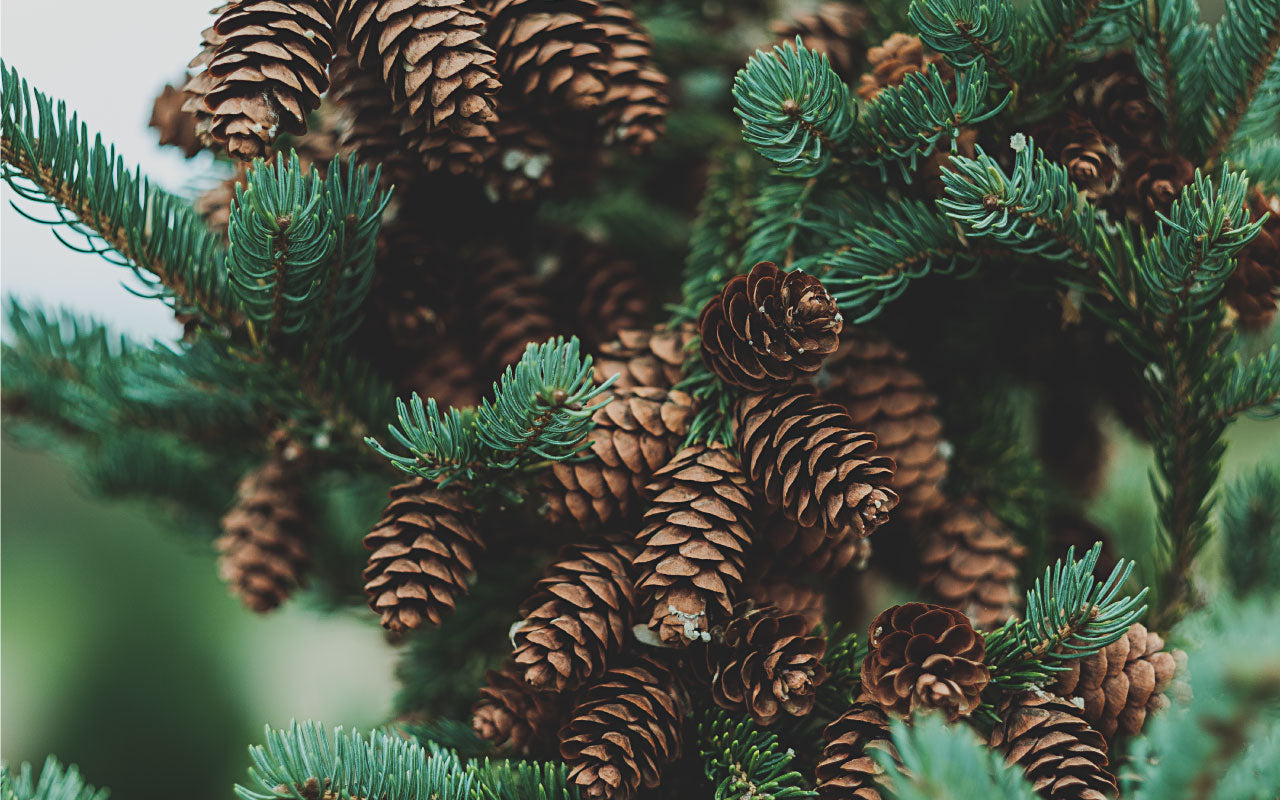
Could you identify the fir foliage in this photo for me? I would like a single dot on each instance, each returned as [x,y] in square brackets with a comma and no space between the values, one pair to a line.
[937,761]
[1169,42]
[744,761]
[55,782]
[1251,525]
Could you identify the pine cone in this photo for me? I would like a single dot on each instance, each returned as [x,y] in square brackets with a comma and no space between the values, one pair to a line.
[942,668]
[263,554]
[177,126]
[423,553]
[812,461]
[893,60]
[634,435]
[214,205]
[1151,182]
[789,598]
[602,293]
[579,618]
[513,716]
[652,358]
[835,29]
[1253,289]
[1062,756]
[511,307]
[765,663]
[373,125]
[1113,93]
[1121,683]
[768,328]
[200,82]
[624,731]
[444,373]
[694,537]
[969,562]
[549,54]
[847,770]
[811,549]
[526,157]
[1092,160]
[634,109]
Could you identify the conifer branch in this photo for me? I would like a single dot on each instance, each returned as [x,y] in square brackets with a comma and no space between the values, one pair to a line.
[936,761]
[1251,532]
[1241,62]
[743,761]
[1261,159]
[56,782]
[1169,46]
[1253,387]
[967,32]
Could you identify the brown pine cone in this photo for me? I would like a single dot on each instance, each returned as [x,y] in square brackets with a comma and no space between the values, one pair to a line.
[634,108]
[941,668]
[1121,683]
[970,563]
[768,328]
[511,307]
[1253,289]
[177,126]
[423,553]
[1062,756]
[579,618]
[812,549]
[789,598]
[549,54]
[515,717]
[653,358]
[444,373]
[763,662]
[1113,93]
[1150,184]
[602,293]
[695,535]
[624,731]
[1092,160]
[214,205]
[836,29]
[373,125]
[810,459]
[635,434]
[199,81]
[847,770]
[893,60]
[263,554]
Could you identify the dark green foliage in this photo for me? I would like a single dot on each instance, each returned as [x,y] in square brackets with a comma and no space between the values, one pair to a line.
[744,761]
[713,422]
[967,32]
[1243,73]
[843,661]
[1253,387]
[1050,30]
[521,780]
[56,782]
[1261,159]
[1251,526]
[1169,45]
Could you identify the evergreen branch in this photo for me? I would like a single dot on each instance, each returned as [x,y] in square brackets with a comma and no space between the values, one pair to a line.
[779,217]
[715,401]
[1169,42]
[1253,387]
[967,32]
[843,661]
[1240,65]
[1251,532]
[743,761]
[356,207]
[521,780]
[56,782]
[1261,159]
[443,446]
[50,159]
[1049,29]
[936,761]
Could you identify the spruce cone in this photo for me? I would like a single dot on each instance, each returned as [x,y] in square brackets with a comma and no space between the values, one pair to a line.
[602,293]
[263,547]
[579,618]
[199,81]
[635,435]
[694,537]
[634,108]
[549,54]
[1121,683]
[835,29]
[769,327]
[1113,93]
[423,553]
[1092,160]
[513,716]
[893,60]
[625,729]
[970,564]
[812,549]
[925,656]
[1062,756]
[812,461]
[511,307]
[788,598]
[373,125]
[765,663]
[444,373]
[847,770]
[652,358]
[1151,182]
[176,125]
[1253,289]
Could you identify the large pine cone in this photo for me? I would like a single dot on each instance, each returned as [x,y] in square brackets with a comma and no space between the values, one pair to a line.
[634,108]
[373,125]
[1122,683]
[893,60]
[1064,758]
[645,357]
[695,535]
[199,81]
[763,662]
[263,554]
[925,656]
[511,308]
[1113,93]
[424,550]
[1253,289]
[847,770]
[579,617]
[811,549]
[602,293]
[1092,160]
[970,563]
[635,434]
[176,125]
[515,717]
[769,327]
[812,460]
[835,29]
[624,731]
[549,53]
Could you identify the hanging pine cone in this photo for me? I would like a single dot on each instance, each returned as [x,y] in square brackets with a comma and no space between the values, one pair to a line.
[652,358]
[579,617]
[1150,184]
[836,29]
[1122,683]
[942,668]
[177,126]
[511,307]
[847,770]
[513,716]
[263,553]
[199,81]
[634,108]
[768,328]
[763,663]
[423,553]
[789,598]
[1253,289]
[812,461]
[1113,93]
[635,434]
[970,563]
[1062,756]
[548,53]
[811,549]
[893,60]
[624,731]
[694,537]
[373,126]
[1092,160]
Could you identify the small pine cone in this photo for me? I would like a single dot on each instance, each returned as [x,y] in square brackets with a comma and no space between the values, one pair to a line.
[970,563]
[1121,683]
[634,108]
[893,60]
[763,662]
[871,379]
[941,668]
[1113,93]
[769,327]
[812,549]
[810,459]
[653,358]
[635,434]
[515,717]
[847,770]
[1092,160]
[372,129]
[176,125]
[835,29]
[1062,756]
[1253,289]
[423,553]
[579,618]
[549,53]
[262,551]
[511,307]
[1151,182]
[810,604]
[695,535]
[625,729]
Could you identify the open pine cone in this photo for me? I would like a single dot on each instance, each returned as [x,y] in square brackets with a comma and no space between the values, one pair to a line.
[1062,756]
[513,716]
[847,770]
[893,60]
[970,562]
[652,358]
[263,550]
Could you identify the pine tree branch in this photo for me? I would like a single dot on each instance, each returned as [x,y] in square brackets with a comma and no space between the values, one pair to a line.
[936,761]
[1245,46]
[56,782]
[1169,46]
[1253,387]
[743,761]
[966,32]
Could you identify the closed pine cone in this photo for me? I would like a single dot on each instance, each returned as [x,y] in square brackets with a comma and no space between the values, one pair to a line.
[1062,756]
[696,532]
[635,434]
[835,29]
[549,53]
[263,554]
[602,293]
[1092,160]
[810,459]
[652,357]
[1113,93]
[423,553]
[1253,289]
[970,563]
[176,125]
[893,60]
[443,372]
[1122,683]
[579,617]
[625,729]
[769,327]
[847,770]
[942,668]
[634,109]
[511,307]
[513,716]
[373,126]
